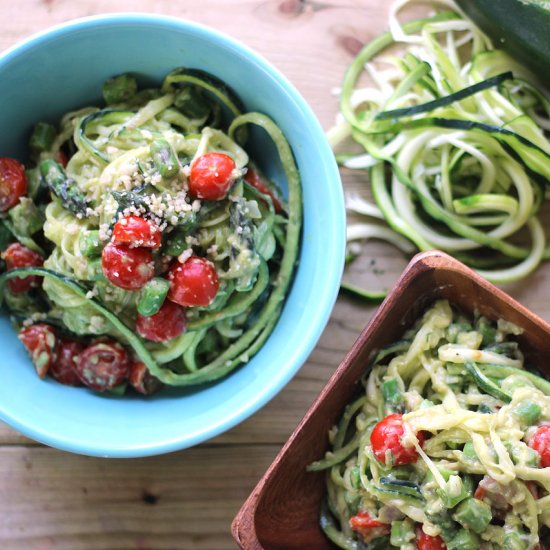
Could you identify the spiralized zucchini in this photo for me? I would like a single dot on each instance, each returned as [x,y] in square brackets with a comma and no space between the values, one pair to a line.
[455,140]
[469,412]
[251,236]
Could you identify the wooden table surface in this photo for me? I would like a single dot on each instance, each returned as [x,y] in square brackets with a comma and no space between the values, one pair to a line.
[54,500]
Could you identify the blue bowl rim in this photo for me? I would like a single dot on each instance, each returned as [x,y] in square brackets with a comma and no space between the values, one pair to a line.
[325,301]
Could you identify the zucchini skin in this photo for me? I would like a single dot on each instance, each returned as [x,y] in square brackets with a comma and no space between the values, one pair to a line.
[519,27]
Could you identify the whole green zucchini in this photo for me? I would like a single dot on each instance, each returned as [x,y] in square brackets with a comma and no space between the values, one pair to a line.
[519,27]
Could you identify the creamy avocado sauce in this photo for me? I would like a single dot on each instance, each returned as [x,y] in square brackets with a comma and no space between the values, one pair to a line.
[448,444]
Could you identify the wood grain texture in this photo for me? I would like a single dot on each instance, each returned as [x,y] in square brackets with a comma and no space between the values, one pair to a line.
[53,500]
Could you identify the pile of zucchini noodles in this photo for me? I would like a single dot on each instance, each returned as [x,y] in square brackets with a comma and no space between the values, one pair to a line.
[455,140]
[253,247]
[462,382]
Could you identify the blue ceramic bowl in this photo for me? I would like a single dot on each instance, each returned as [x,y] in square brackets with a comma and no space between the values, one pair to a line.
[64,68]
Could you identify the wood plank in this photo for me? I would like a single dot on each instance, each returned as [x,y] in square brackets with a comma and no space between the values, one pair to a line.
[9,436]
[54,500]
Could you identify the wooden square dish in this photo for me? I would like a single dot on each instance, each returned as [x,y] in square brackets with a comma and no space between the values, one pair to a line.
[283,510]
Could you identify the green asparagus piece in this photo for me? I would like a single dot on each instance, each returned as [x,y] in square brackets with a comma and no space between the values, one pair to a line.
[63,187]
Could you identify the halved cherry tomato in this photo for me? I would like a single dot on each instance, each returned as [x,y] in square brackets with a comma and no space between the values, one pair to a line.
[170,321]
[63,368]
[41,343]
[368,527]
[256,181]
[427,542]
[387,435]
[103,365]
[193,283]
[13,183]
[142,380]
[128,268]
[135,232]
[211,176]
[17,255]
[540,441]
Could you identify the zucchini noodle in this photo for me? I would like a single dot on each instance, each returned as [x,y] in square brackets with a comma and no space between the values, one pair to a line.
[251,236]
[455,141]
[476,477]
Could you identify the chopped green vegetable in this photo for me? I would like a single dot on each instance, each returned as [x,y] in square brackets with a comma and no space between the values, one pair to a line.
[90,244]
[454,491]
[152,296]
[42,137]
[392,393]
[35,184]
[473,514]
[513,541]
[464,540]
[528,411]
[176,243]
[402,532]
[166,161]
[119,88]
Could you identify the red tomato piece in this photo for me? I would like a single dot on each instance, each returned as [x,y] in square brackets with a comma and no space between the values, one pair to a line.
[62,158]
[103,365]
[427,542]
[368,527]
[41,343]
[63,368]
[540,441]
[480,493]
[170,321]
[17,255]
[253,178]
[142,380]
[135,232]
[497,495]
[193,283]
[128,268]
[13,183]
[387,435]
[211,176]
